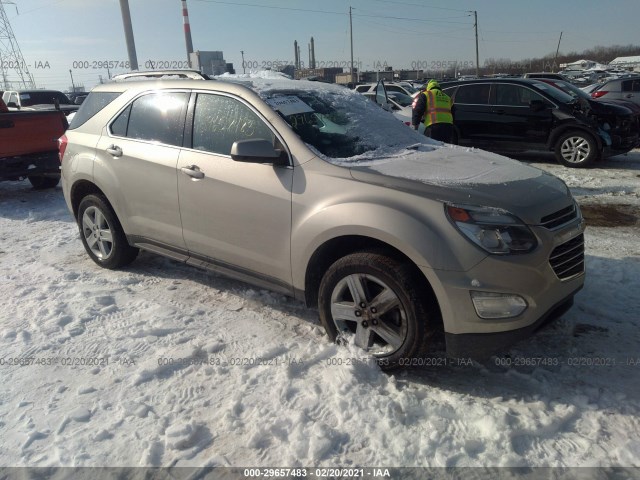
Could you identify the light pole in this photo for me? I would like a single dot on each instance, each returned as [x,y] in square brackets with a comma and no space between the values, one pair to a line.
[73,85]
[242,53]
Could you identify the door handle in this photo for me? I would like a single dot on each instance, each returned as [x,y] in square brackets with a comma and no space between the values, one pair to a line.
[193,171]
[7,124]
[499,112]
[630,95]
[114,150]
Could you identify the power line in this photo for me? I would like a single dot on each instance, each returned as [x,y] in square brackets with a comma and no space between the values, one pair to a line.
[420,5]
[435,20]
[238,4]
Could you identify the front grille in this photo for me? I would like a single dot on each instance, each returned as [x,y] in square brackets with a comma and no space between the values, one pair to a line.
[567,260]
[559,218]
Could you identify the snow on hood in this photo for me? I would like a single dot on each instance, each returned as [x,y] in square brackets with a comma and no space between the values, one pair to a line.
[452,165]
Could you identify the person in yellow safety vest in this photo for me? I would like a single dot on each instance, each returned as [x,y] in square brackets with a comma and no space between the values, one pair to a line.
[433,106]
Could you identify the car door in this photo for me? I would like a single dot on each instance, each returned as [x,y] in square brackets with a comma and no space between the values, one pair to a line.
[471,112]
[515,121]
[136,161]
[236,216]
[631,90]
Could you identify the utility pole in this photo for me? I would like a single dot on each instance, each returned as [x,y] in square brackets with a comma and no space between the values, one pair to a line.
[351,35]
[475,15]
[128,34]
[242,53]
[10,54]
[73,85]
[557,51]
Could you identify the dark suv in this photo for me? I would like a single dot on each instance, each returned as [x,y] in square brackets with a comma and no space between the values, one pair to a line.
[510,115]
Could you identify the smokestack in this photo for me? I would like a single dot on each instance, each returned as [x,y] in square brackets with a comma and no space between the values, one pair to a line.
[296,61]
[187,31]
[313,54]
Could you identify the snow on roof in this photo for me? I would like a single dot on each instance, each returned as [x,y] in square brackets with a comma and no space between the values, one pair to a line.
[624,60]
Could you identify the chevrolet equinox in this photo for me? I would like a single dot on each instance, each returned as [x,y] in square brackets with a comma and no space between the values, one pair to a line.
[312,190]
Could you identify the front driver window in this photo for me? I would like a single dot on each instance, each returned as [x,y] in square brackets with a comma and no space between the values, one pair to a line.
[220,121]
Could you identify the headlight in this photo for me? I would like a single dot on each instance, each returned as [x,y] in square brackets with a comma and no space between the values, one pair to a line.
[496,231]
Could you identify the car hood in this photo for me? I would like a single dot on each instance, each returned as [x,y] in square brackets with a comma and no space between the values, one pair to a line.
[609,107]
[470,177]
[634,107]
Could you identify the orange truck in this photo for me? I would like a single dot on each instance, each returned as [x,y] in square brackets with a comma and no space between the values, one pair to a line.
[29,145]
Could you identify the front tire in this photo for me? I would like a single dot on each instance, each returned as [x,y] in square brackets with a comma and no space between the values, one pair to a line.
[374,298]
[102,235]
[576,149]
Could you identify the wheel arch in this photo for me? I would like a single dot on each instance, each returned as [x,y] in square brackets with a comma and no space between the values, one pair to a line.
[81,189]
[332,250]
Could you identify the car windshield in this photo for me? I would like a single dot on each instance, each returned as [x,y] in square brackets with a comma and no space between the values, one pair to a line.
[28,99]
[410,88]
[337,122]
[570,89]
[400,98]
[555,92]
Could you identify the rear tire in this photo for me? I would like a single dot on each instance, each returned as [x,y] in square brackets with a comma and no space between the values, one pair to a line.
[576,149]
[41,182]
[102,235]
[375,298]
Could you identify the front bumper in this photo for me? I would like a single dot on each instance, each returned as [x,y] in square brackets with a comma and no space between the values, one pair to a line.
[532,277]
[482,345]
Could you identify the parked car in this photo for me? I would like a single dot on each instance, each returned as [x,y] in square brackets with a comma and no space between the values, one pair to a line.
[619,89]
[77,97]
[399,103]
[600,106]
[392,237]
[556,76]
[38,100]
[29,146]
[390,86]
[511,115]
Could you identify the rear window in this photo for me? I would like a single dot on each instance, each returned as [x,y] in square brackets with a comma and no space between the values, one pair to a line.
[95,102]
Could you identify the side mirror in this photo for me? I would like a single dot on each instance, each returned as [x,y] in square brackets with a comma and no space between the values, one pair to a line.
[537,105]
[257,151]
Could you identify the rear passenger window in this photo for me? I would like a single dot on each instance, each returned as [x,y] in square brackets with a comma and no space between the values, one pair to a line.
[220,121]
[515,95]
[631,86]
[473,94]
[156,117]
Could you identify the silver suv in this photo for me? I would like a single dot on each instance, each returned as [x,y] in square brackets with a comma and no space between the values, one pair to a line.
[312,190]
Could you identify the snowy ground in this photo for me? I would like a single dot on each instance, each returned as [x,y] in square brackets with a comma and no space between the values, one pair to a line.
[299,406]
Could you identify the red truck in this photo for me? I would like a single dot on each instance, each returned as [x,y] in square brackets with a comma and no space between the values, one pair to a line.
[29,146]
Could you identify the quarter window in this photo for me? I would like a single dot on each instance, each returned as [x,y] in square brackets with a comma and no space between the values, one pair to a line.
[93,104]
[220,121]
[157,117]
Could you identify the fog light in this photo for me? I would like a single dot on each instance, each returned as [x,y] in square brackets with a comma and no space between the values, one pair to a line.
[497,305]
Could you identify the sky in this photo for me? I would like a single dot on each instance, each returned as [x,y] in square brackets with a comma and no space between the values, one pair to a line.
[56,36]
